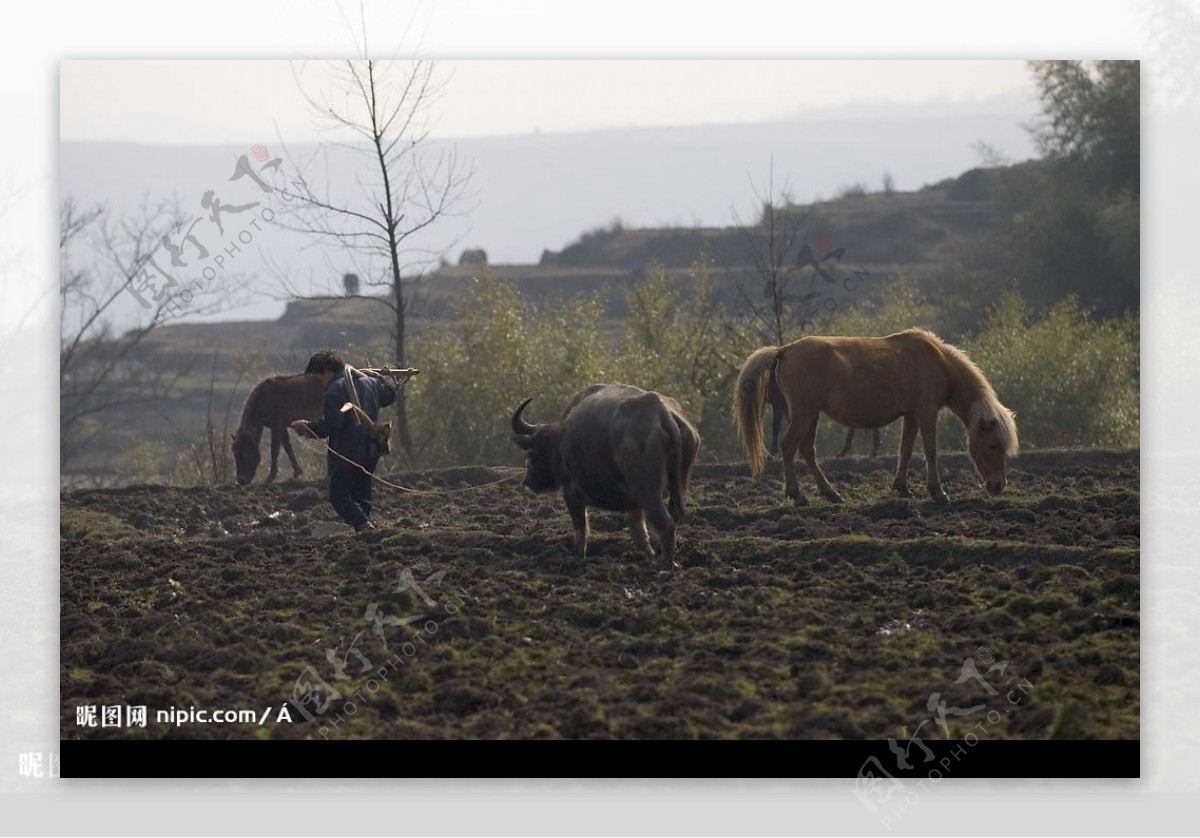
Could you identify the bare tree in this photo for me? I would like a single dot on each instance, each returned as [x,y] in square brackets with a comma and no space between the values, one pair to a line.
[793,278]
[782,261]
[99,370]
[403,187]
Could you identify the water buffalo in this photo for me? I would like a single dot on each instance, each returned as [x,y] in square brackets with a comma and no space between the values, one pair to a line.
[617,448]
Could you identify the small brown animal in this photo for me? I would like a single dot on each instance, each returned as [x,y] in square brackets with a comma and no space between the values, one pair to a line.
[274,403]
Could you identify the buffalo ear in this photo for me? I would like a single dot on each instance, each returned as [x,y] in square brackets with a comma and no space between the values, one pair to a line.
[523,442]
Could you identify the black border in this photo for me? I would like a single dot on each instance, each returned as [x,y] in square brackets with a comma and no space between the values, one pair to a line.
[293,759]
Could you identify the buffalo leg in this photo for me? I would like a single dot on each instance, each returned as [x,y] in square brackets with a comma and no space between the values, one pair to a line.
[656,515]
[907,436]
[929,440]
[779,409]
[579,517]
[776,422]
[808,448]
[637,527]
[287,447]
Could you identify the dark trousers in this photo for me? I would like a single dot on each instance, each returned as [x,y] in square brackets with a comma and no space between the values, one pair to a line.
[350,494]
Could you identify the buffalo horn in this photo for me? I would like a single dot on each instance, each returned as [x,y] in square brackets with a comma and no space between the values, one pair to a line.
[519,426]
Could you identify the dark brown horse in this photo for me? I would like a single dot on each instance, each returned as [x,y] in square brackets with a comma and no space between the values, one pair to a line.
[869,382]
[274,403]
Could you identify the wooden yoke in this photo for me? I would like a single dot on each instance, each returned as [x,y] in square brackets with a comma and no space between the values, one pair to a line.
[380,432]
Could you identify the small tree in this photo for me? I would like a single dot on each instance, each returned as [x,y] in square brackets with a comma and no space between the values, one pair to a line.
[404,190]
[783,262]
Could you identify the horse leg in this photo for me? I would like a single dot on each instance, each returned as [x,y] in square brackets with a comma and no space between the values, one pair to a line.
[287,447]
[776,421]
[907,436]
[808,447]
[847,444]
[876,441]
[791,441]
[274,454]
[929,440]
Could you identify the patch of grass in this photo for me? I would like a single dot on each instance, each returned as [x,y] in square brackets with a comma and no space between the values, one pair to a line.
[1067,723]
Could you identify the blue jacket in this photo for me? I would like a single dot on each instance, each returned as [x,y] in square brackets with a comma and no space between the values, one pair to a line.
[346,435]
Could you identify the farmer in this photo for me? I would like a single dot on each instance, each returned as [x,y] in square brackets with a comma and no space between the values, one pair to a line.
[349,478]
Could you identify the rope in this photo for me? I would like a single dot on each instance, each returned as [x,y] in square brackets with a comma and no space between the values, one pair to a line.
[410,489]
[400,378]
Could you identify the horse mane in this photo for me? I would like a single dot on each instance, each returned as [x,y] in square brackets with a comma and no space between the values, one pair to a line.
[250,408]
[985,404]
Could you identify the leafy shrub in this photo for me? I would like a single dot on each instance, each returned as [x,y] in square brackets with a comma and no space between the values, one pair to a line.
[1072,380]
[498,352]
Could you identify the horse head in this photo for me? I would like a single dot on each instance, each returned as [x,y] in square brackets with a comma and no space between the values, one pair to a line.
[991,440]
[246,456]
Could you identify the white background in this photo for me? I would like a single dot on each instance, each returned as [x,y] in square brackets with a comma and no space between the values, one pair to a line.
[35,36]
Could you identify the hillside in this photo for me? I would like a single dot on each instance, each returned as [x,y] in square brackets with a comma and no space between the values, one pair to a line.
[927,235]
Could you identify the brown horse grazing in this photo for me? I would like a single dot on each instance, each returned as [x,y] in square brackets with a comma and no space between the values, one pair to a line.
[868,383]
[275,402]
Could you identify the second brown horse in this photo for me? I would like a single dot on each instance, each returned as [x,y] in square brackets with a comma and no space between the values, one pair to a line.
[867,382]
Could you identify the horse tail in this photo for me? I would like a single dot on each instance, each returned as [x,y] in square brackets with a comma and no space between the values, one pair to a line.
[749,396]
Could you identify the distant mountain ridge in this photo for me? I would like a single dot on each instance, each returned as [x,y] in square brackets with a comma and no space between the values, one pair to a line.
[540,192]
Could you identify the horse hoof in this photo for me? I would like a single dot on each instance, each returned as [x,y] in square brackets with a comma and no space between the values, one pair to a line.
[902,491]
[833,497]
[799,500]
[939,497]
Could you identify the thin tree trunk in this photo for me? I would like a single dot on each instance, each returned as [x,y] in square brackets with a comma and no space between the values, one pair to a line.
[401,398]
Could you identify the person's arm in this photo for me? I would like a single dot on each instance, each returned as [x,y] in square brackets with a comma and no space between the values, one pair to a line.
[385,391]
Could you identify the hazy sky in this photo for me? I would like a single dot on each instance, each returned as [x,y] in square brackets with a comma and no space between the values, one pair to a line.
[228,101]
